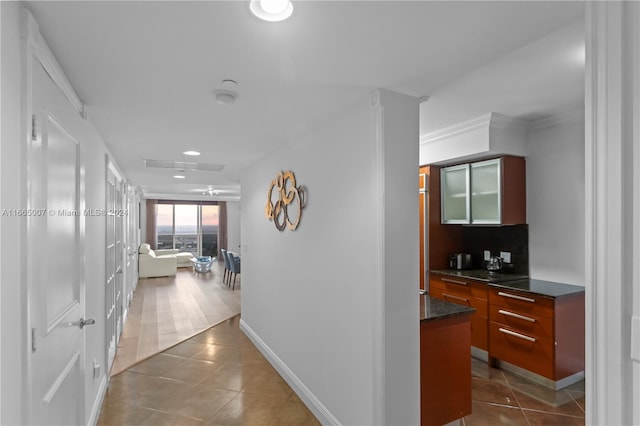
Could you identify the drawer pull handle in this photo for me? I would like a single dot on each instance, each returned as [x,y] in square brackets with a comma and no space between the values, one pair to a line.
[513,314]
[518,335]
[513,296]
[447,280]
[445,295]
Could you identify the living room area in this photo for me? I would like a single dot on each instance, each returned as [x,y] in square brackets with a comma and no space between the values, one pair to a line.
[174,297]
[168,310]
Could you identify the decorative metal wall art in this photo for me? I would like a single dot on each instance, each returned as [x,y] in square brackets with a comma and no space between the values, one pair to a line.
[285,201]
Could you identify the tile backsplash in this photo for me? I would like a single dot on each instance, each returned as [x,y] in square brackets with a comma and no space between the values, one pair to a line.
[513,238]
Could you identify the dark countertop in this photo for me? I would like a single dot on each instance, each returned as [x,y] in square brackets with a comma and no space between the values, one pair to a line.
[435,309]
[480,275]
[543,288]
[515,282]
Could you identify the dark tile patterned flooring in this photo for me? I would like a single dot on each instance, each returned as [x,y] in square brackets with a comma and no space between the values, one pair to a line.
[219,378]
[502,398]
[215,378]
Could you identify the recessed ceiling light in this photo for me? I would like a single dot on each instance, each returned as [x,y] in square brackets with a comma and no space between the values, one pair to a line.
[271,10]
[191,153]
[179,176]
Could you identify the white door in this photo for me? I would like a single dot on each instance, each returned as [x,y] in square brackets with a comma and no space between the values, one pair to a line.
[55,271]
[132,243]
[111,288]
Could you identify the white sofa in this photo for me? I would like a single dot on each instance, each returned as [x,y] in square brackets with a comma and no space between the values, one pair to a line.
[161,263]
[183,258]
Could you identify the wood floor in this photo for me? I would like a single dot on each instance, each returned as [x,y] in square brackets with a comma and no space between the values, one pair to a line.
[165,311]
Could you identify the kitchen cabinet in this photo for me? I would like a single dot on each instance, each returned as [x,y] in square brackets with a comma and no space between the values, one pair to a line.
[456,204]
[445,370]
[466,292]
[491,192]
[539,334]
[531,327]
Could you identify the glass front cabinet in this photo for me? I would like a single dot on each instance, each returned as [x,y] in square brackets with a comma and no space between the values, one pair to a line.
[455,194]
[486,201]
[491,192]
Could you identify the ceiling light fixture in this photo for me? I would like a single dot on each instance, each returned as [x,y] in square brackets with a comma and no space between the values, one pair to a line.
[271,10]
[225,97]
[192,153]
[179,176]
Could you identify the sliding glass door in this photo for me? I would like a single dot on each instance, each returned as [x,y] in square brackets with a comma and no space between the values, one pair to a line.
[187,227]
[185,234]
[209,230]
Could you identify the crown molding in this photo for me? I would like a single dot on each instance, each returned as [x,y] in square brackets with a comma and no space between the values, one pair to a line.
[30,31]
[491,120]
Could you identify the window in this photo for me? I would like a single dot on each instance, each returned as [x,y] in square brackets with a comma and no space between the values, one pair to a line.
[188,228]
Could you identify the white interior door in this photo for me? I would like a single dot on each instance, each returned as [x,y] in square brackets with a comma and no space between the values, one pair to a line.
[115,254]
[111,287]
[55,274]
[132,243]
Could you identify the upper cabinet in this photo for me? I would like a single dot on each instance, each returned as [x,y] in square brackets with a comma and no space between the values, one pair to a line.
[456,205]
[491,192]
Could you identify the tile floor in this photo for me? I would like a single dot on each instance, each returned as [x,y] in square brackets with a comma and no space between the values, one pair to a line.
[219,378]
[502,398]
[215,378]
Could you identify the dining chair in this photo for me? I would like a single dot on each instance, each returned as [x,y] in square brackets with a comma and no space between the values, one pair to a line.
[234,265]
[227,268]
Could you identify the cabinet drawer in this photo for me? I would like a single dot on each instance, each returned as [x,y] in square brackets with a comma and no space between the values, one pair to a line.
[479,319]
[522,303]
[532,325]
[525,351]
[460,286]
[462,298]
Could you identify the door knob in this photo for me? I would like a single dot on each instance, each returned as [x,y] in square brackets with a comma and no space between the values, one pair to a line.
[84,322]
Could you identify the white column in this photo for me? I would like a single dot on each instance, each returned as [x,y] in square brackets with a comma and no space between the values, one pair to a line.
[396,385]
[612,202]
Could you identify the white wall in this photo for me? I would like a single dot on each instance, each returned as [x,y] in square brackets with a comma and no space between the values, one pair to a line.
[233,226]
[12,192]
[14,299]
[315,297]
[555,200]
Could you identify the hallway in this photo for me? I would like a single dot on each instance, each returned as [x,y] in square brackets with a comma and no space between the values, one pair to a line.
[215,378]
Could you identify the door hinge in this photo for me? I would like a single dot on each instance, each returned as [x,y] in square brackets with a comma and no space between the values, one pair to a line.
[34,130]
[33,340]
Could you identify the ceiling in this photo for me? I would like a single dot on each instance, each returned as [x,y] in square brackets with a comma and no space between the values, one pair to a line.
[146,72]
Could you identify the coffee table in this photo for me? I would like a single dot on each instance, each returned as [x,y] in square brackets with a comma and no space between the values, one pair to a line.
[202,263]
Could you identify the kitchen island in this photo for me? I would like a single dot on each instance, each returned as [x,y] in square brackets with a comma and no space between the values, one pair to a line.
[445,367]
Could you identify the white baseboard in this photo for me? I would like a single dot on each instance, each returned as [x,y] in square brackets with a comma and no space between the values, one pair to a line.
[97,403]
[310,400]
